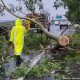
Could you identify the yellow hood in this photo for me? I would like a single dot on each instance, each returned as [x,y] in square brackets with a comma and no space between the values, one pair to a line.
[18,22]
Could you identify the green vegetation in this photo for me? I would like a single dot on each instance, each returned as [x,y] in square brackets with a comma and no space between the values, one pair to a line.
[39,70]
[32,41]
[63,68]
[76,41]
[73,7]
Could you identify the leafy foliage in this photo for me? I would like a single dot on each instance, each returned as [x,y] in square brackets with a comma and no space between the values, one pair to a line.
[32,41]
[39,70]
[73,9]
[75,41]
[31,4]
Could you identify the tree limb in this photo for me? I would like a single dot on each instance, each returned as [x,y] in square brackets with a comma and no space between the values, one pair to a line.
[38,23]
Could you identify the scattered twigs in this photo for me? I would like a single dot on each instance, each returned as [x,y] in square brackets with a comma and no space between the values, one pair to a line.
[34,62]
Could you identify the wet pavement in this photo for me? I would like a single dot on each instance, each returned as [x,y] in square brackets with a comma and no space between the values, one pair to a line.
[56,30]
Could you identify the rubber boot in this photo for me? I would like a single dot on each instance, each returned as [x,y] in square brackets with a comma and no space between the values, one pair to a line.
[18,60]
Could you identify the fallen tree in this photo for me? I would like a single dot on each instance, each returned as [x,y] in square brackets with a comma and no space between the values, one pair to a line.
[33,20]
[62,40]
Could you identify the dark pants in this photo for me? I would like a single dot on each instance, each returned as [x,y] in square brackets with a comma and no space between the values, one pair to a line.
[18,60]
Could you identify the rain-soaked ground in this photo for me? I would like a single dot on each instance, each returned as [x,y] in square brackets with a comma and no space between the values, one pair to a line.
[11,66]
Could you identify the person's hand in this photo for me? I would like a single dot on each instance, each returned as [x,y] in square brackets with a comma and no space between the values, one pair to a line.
[10,45]
[27,27]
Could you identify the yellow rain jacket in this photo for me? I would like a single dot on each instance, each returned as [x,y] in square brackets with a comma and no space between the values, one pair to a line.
[17,36]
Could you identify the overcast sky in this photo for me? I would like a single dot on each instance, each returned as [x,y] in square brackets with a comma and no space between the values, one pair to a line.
[47,6]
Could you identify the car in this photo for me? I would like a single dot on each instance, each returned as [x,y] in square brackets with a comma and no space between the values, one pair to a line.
[63,24]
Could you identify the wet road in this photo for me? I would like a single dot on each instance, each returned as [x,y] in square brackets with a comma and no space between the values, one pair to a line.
[56,30]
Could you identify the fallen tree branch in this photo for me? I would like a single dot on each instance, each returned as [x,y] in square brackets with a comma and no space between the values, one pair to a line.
[38,23]
[57,38]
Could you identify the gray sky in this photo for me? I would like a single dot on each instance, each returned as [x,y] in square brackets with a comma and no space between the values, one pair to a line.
[47,6]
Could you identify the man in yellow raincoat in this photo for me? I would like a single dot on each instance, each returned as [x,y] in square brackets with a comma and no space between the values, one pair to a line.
[17,39]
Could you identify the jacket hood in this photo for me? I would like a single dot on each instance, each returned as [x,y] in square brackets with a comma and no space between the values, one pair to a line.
[18,22]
